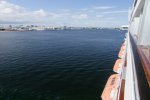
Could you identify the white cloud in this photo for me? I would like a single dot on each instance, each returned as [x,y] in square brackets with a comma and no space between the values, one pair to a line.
[8,8]
[12,12]
[41,13]
[65,10]
[84,9]
[99,16]
[93,16]
[115,12]
[103,7]
[80,16]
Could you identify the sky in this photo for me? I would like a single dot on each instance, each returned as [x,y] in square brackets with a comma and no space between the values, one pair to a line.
[78,13]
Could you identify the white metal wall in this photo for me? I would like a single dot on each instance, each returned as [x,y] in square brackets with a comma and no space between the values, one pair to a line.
[134,27]
[144,38]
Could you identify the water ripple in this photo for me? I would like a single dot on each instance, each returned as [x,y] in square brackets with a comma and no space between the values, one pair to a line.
[57,65]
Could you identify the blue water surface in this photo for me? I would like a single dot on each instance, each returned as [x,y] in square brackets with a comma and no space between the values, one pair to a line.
[57,65]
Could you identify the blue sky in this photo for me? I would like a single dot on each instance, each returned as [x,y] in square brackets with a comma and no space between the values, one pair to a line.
[97,13]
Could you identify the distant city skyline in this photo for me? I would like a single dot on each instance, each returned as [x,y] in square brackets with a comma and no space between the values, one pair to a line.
[78,13]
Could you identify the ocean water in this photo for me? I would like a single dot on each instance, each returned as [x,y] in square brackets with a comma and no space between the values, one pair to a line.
[57,65]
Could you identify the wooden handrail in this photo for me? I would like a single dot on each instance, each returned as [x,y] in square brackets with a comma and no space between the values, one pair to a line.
[122,89]
[145,61]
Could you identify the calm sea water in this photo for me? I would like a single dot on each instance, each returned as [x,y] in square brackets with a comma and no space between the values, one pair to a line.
[57,65]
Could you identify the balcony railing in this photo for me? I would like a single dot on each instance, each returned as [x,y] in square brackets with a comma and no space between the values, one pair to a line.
[144,52]
[141,69]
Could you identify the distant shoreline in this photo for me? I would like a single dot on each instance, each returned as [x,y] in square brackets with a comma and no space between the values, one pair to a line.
[14,31]
[50,30]
[8,31]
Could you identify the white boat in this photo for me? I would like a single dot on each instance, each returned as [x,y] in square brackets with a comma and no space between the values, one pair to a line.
[132,81]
